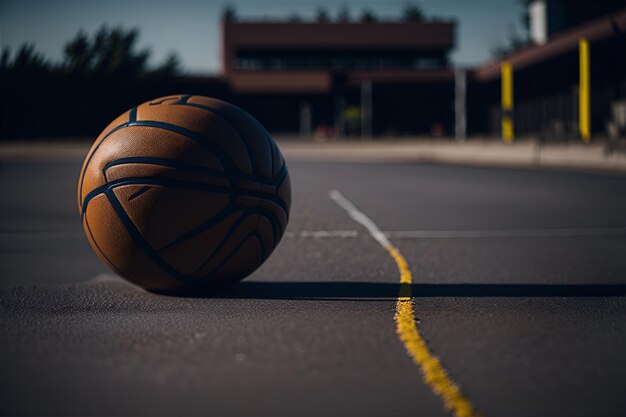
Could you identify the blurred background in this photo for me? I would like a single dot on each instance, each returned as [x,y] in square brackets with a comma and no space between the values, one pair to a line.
[418,113]
[551,70]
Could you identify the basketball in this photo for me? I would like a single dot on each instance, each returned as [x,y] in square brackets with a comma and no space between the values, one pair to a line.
[184,192]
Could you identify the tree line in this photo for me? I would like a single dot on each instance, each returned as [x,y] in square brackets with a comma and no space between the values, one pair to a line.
[410,13]
[110,53]
[98,77]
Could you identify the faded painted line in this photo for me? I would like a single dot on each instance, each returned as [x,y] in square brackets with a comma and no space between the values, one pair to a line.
[316,234]
[106,278]
[506,233]
[433,372]
[30,235]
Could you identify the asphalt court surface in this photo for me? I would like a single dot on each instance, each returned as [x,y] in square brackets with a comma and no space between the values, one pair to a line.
[528,321]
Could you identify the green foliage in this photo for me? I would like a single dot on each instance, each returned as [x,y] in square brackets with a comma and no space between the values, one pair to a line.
[343,15]
[413,13]
[516,41]
[78,55]
[111,53]
[229,14]
[114,54]
[26,61]
[294,18]
[368,16]
[322,15]
[168,69]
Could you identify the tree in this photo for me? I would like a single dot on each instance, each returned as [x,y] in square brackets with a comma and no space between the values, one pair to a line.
[27,60]
[413,13]
[115,55]
[78,55]
[516,41]
[294,18]
[5,59]
[112,53]
[525,18]
[322,15]
[368,16]
[229,14]
[169,68]
[343,15]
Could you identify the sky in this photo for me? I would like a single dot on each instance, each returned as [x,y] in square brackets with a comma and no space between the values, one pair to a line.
[190,28]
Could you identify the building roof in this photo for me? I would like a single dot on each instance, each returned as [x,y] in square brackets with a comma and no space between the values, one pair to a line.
[567,41]
[301,35]
[321,81]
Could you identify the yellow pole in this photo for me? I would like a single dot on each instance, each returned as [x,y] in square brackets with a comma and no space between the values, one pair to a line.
[506,72]
[584,111]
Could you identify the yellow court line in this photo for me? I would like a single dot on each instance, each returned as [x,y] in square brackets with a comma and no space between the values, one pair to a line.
[584,95]
[433,372]
[508,131]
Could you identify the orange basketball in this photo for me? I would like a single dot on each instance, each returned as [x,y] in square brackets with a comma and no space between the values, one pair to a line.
[182,192]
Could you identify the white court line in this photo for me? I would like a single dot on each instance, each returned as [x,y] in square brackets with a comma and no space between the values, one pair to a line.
[392,234]
[322,234]
[104,278]
[488,233]
[42,235]
[433,372]
[359,217]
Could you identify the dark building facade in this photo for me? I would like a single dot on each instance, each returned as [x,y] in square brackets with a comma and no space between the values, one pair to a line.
[548,18]
[546,82]
[347,78]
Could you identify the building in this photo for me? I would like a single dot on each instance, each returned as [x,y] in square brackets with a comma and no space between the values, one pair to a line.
[355,78]
[550,17]
[547,78]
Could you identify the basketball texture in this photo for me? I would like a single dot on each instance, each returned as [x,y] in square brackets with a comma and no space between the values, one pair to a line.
[183,192]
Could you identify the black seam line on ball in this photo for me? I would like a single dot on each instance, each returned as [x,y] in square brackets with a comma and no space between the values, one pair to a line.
[281,177]
[139,192]
[184,101]
[229,167]
[268,214]
[261,247]
[132,117]
[153,181]
[233,253]
[170,163]
[141,242]
[231,230]
[273,220]
[185,132]
[82,175]
[272,150]
[219,153]
[224,116]
[278,202]
[226,212]
[183,184]
[95,242]
[190,134]
[270,142]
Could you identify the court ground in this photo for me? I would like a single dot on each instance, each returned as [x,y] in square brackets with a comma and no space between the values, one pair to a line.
[517,281]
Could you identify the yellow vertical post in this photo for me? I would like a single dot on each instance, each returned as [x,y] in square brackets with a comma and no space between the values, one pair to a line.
[506,72]
[584,102]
